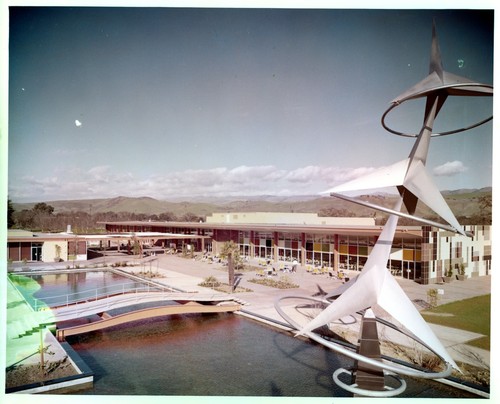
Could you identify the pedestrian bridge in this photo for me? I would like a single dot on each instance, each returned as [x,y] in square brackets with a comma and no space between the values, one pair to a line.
[182,303]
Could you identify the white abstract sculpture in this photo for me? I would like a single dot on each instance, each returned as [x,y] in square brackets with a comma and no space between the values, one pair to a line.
[409,175]
[375,286]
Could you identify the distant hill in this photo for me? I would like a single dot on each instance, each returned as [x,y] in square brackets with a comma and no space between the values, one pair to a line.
[464,203]
[465,191]
[145,205]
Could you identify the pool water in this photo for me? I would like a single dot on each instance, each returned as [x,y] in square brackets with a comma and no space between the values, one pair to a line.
[221,354]
[217,355]
[58,288]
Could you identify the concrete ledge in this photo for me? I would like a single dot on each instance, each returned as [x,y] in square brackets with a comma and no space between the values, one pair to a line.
[58,386]
[83,380]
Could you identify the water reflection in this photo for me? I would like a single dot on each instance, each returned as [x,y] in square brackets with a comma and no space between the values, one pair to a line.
[206,355]
[79,285]
[216,355]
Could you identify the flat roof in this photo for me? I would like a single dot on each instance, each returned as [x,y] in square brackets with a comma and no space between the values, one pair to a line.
[108,236]
[375,230]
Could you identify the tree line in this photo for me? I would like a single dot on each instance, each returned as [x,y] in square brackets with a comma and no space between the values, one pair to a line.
[43,218]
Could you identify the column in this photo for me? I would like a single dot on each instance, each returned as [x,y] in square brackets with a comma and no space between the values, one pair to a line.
[303,249]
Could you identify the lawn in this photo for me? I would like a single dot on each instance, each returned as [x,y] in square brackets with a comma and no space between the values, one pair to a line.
[469,314]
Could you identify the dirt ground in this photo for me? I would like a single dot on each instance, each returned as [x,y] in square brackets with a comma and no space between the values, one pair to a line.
[31,373]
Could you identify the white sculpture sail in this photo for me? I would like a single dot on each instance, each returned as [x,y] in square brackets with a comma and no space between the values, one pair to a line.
[375,286]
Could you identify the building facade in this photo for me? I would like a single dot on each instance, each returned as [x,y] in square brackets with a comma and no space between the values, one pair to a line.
[30,247]
[421,253]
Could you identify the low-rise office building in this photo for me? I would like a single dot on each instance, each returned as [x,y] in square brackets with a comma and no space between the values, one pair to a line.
[421,253]
[47,247]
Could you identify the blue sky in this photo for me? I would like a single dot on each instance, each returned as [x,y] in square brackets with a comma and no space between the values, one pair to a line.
[169,102]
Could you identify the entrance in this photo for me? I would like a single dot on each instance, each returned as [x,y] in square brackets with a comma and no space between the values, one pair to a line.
[36,251]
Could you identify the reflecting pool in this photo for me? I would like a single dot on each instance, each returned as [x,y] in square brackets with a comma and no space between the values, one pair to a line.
[58,288]
[216,355]
[204,354]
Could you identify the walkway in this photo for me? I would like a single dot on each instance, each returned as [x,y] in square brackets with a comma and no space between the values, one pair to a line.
[89,308]
[110,321]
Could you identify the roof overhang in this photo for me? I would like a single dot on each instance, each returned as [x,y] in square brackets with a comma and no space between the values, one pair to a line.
[401,231]
[108,236]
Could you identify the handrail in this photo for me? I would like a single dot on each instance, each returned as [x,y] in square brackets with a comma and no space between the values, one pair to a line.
[85,308]
[94,294]
[150,312]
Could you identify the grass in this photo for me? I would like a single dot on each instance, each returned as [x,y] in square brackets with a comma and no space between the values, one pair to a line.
[469,314]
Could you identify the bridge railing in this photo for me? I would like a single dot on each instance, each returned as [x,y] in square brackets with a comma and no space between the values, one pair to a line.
[95,294]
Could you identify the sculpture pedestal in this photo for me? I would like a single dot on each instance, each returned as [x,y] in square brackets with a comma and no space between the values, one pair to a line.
[366,376]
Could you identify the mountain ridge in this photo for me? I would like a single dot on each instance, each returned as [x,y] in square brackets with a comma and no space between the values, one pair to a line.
[463,202]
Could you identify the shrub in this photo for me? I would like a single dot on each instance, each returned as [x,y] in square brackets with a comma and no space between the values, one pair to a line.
[210,282]
[282,283]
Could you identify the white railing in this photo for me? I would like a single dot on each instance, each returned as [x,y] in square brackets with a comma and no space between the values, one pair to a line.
[116,301]
[94,294]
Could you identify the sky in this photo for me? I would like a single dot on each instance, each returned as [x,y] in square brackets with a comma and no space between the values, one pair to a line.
[188,102]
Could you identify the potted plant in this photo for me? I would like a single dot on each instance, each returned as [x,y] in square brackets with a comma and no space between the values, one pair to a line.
[432,297]
[461,272]
[449,275]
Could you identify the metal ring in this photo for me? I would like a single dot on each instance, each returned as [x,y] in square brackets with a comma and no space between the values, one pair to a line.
[353,388]
[354,355]
[421,94]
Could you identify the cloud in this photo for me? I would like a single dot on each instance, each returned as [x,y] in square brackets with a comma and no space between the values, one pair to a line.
[99,171]
[105,182]
[449,169]
[304,174]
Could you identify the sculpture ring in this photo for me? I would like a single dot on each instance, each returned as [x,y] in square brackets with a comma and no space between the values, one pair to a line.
[353,388]
[425,93]
[354,355]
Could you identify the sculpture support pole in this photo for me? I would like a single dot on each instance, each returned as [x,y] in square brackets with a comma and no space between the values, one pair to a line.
[368,377]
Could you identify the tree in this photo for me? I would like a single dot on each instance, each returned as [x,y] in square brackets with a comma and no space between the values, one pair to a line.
[231,251]
[485,202]
[25,219]
[10,214]
[42,207]
[167,217]
[43,216]
[190,217]
[333,212]
[137,248]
